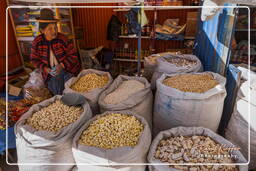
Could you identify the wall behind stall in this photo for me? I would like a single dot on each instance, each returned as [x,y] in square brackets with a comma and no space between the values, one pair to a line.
[14,58]
[94,22]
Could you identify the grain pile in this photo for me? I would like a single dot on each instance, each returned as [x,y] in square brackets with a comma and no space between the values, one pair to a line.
[181,62]
[89,82]
[194,149]
[112,131]
[54,117]
[124,90]
[195,83]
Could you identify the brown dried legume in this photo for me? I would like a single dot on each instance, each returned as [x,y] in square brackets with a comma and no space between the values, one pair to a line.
[54,117]
[196,83]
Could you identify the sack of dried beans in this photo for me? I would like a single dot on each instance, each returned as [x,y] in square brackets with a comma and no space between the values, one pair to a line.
[150,63]
[237,129]
[172,64]
[90,83]
[128,93]
[194,145]
[44,134]
[192,99]
[113,137]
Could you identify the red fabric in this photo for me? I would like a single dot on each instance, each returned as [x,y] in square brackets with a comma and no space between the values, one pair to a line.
[63,50]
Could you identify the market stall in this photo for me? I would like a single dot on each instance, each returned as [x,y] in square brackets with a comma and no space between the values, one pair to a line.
[113,86]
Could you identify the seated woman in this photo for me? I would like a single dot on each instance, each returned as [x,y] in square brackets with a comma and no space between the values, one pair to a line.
[53,53]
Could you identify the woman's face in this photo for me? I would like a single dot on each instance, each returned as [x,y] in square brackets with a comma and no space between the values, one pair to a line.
[50,31]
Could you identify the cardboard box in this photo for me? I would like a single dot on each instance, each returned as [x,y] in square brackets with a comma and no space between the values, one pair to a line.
[15,86]
[191,27]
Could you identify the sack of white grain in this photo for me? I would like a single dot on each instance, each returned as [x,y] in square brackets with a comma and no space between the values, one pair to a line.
[44,134]
[172,64]
[237,130]
[128,93]
[112,138]
[193,99]
[193,145]
[90,83]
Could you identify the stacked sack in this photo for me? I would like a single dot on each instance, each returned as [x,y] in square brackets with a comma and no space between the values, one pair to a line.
[150,63]
[237,130]
[172,64]
[90,83]
[112,138]
[193,99]
[44,134]
[182,145]
[128,93]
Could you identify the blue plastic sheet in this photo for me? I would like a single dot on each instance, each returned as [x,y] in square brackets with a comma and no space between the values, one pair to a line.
[11,139]
[162,36]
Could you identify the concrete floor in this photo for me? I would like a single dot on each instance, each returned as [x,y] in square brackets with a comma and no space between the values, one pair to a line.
[13,159]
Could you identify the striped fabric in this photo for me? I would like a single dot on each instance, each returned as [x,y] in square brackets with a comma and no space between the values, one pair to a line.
[63,50]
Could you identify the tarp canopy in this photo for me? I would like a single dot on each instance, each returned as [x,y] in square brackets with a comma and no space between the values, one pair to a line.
[209,13]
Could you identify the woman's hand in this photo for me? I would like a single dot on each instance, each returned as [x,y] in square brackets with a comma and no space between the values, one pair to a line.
[48,70]
[58,69]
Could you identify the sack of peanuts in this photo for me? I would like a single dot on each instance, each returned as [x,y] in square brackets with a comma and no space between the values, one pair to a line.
[90,83]
[189,99]
[172,64]
[128,93]
[112,138]
[183,145]
[237,130]
[44,134]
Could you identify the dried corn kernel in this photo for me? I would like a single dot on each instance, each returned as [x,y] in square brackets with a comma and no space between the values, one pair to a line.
[196,83]
[112,131]
[89,82]
[54,117]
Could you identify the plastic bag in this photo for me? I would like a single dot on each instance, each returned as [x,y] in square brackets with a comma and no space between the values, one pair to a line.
[35,88]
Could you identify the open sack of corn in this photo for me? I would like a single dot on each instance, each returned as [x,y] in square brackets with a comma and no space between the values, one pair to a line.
[128,93]
[183,145]
[44,134]
[192,99]
[237,129]
[90,83]
[173,64]
[112,138]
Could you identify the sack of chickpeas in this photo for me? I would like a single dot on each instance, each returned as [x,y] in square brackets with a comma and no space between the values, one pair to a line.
[44,134]
[189,99]
[194,145]
[90,83]
[128,93]
[172,64]
[237,129]
[114,137]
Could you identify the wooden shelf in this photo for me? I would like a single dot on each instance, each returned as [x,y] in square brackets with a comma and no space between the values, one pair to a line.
[158,8]
[25,39]
[67,19]
[127,60]
[148,37]
[134,37]
[189,38]
[25,21]
[245,30]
